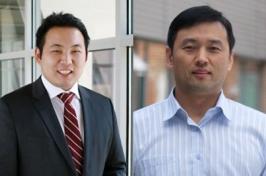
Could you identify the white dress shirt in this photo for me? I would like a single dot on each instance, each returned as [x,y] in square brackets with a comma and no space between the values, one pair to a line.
[58,105]
[230,140]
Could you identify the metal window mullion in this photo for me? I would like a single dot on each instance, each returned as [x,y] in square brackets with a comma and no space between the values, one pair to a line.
[36,21]
[15,54]
[111,43]
[122,80]
[28,42]
[129,83]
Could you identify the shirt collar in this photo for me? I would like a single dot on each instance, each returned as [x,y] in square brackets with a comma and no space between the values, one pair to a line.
[173,106]
[53,91]
[223,104]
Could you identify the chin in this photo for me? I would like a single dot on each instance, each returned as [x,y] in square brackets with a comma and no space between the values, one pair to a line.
[66,88]
[63,86]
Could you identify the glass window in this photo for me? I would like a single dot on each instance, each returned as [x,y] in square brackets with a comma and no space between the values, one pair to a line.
[11,75]
[103,72]
[11,25]
[98,18]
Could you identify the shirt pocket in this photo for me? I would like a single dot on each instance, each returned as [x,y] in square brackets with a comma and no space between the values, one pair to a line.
[157,166]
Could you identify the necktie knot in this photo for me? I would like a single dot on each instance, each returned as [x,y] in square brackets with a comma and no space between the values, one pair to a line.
[66,98]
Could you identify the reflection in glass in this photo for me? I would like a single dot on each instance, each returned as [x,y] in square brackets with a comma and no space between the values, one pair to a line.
[11,75]
[11,25]
[103,72]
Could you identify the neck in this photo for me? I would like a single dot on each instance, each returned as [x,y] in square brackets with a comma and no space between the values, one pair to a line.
[196,104]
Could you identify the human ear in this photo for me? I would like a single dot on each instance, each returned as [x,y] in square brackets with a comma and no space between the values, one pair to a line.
[37,55]
[169,57]
[231,61]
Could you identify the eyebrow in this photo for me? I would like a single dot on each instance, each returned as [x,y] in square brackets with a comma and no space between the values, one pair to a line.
[76,45]
[61,46]
[193,41]
[188,40]
[216,42]
[55,45]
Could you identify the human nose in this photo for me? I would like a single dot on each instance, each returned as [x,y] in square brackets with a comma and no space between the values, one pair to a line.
[66,59]
[202,57]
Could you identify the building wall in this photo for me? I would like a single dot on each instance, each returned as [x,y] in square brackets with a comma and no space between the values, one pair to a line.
[152,19]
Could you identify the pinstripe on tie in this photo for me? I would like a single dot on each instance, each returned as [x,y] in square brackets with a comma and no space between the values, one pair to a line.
[72,132]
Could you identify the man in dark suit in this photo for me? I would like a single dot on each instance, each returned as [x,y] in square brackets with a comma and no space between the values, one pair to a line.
[54,127]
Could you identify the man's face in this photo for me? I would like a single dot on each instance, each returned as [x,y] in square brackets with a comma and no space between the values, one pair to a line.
[200,58]
[63,56]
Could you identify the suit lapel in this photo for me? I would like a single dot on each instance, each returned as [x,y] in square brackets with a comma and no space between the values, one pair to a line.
[89,130]
[44,106]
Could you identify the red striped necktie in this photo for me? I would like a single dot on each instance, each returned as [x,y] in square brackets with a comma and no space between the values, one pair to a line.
[72,132]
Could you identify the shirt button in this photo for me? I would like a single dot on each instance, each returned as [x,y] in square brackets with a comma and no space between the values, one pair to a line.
[193,128]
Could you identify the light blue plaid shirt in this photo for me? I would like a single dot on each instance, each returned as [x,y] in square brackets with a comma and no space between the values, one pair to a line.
[230,140]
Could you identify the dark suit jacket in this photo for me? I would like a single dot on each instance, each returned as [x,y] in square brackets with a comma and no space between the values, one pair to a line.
[32,142]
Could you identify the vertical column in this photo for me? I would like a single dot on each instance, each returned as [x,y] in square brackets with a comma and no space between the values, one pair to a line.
[263,88]
[28,41]
[122,74]
[36,22]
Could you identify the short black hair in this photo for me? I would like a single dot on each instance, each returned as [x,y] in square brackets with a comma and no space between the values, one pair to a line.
[196,15]
[60,20]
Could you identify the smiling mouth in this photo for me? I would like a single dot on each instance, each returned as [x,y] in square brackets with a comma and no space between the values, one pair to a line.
[65,72]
